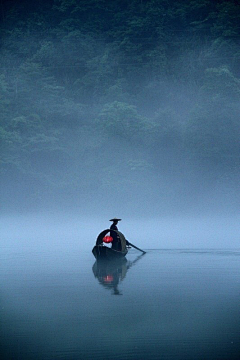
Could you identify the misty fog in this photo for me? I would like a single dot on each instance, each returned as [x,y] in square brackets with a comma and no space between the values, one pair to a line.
[69,232]
[120,117]
[126,109]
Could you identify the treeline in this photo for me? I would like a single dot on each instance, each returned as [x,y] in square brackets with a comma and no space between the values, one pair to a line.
[97,95]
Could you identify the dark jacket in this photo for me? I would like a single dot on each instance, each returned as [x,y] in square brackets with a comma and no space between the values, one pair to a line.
[116,243]
[113,227]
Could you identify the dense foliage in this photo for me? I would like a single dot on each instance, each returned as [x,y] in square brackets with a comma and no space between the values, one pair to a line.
[97,95]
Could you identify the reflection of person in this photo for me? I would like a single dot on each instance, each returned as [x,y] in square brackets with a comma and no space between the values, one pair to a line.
[111,273]
[116,243]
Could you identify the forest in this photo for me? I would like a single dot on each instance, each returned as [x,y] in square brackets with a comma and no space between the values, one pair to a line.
[126,103]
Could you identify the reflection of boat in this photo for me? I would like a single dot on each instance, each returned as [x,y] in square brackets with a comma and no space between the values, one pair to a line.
[101,251]
[111,273]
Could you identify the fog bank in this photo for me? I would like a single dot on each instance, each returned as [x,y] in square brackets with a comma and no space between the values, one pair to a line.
[75,233]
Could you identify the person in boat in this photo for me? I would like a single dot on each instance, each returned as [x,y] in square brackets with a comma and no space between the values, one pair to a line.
[116,243]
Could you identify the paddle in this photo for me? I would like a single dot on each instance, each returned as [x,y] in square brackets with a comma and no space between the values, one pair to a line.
[144,252]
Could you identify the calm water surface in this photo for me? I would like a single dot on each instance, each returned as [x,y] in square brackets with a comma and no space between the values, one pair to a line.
[167,304]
